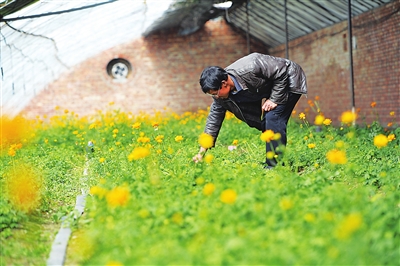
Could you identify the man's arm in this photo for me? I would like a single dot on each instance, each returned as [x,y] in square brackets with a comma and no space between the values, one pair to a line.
[213,125]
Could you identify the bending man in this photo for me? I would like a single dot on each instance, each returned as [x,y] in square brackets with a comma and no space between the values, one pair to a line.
[261,90]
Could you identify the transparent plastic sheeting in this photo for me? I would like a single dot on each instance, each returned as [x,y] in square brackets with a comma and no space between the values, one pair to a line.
[44,47]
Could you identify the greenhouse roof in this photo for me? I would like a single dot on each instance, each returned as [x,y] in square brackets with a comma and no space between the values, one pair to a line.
[42,39]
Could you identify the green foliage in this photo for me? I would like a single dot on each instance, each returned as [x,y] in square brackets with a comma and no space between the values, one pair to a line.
[165,209]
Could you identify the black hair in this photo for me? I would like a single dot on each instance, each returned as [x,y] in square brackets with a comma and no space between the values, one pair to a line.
[212,77]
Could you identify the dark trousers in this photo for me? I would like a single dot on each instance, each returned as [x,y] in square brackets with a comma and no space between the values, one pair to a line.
[276,120]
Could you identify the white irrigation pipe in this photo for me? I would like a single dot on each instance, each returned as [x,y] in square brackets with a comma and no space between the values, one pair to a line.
[59,248]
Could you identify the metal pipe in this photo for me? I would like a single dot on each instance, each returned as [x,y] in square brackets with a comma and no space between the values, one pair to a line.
[287,32]
[248,27]
[350,39]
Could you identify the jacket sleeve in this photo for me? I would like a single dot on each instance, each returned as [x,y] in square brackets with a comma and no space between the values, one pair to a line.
[214,120]
[276,71]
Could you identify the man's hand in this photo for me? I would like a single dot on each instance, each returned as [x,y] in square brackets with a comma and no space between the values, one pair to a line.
[269,105]
[198,157]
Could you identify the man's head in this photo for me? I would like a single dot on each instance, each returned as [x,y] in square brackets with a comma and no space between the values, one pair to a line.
[211,78]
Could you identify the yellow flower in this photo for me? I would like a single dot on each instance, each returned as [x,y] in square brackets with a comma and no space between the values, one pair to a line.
[23,188]
[390,124]
[177,218]
[136,125]
[143,213]
[302,116]
[208,189]
[336,157]
[270,155]
[311,145]
[285,204]
[118,196]
[267,135]
[228,196]
[380,141]
[349,225]
[327,122]
[277,136]
[340,144]
[102,160]
[178,138]
[115,131]
[11,152]
[309,217]
[391,113]
[208,158]
[98,191]
[143,139]
[138,153]
[348,117]
[235,142]
[200,180]
[391,137]
[319,119]
[206,141]
[159,138]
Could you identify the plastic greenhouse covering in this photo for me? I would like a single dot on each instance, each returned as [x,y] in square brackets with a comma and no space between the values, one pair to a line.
[36,50]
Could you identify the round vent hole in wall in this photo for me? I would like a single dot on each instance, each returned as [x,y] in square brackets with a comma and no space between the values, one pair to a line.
[119,69]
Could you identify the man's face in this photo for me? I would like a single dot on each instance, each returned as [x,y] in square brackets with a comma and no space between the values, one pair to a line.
[222,92]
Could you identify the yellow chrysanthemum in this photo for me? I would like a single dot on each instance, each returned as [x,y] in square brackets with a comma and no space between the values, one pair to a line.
[267,135]
[24,188]
[311,145]
[319,119]
[118,196]
[391,137]
[136,125]
[177,218]
[270,155]
[336,157]
[228,196]
[159,138]
[348,117]
[309,217]
[98,191]
[208,158]
[14,130]
[178,138]
[206,141]
[327,122]
[350,224]
[139,153]
[380,141]
[286,204]
[208,189]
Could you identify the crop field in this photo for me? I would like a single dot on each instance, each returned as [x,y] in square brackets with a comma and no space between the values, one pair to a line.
[334,201]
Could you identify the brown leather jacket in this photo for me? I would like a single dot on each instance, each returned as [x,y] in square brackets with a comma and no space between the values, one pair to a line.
[260,74]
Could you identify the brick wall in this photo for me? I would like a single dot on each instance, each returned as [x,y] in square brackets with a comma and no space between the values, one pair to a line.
[324,57]
[167,69]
